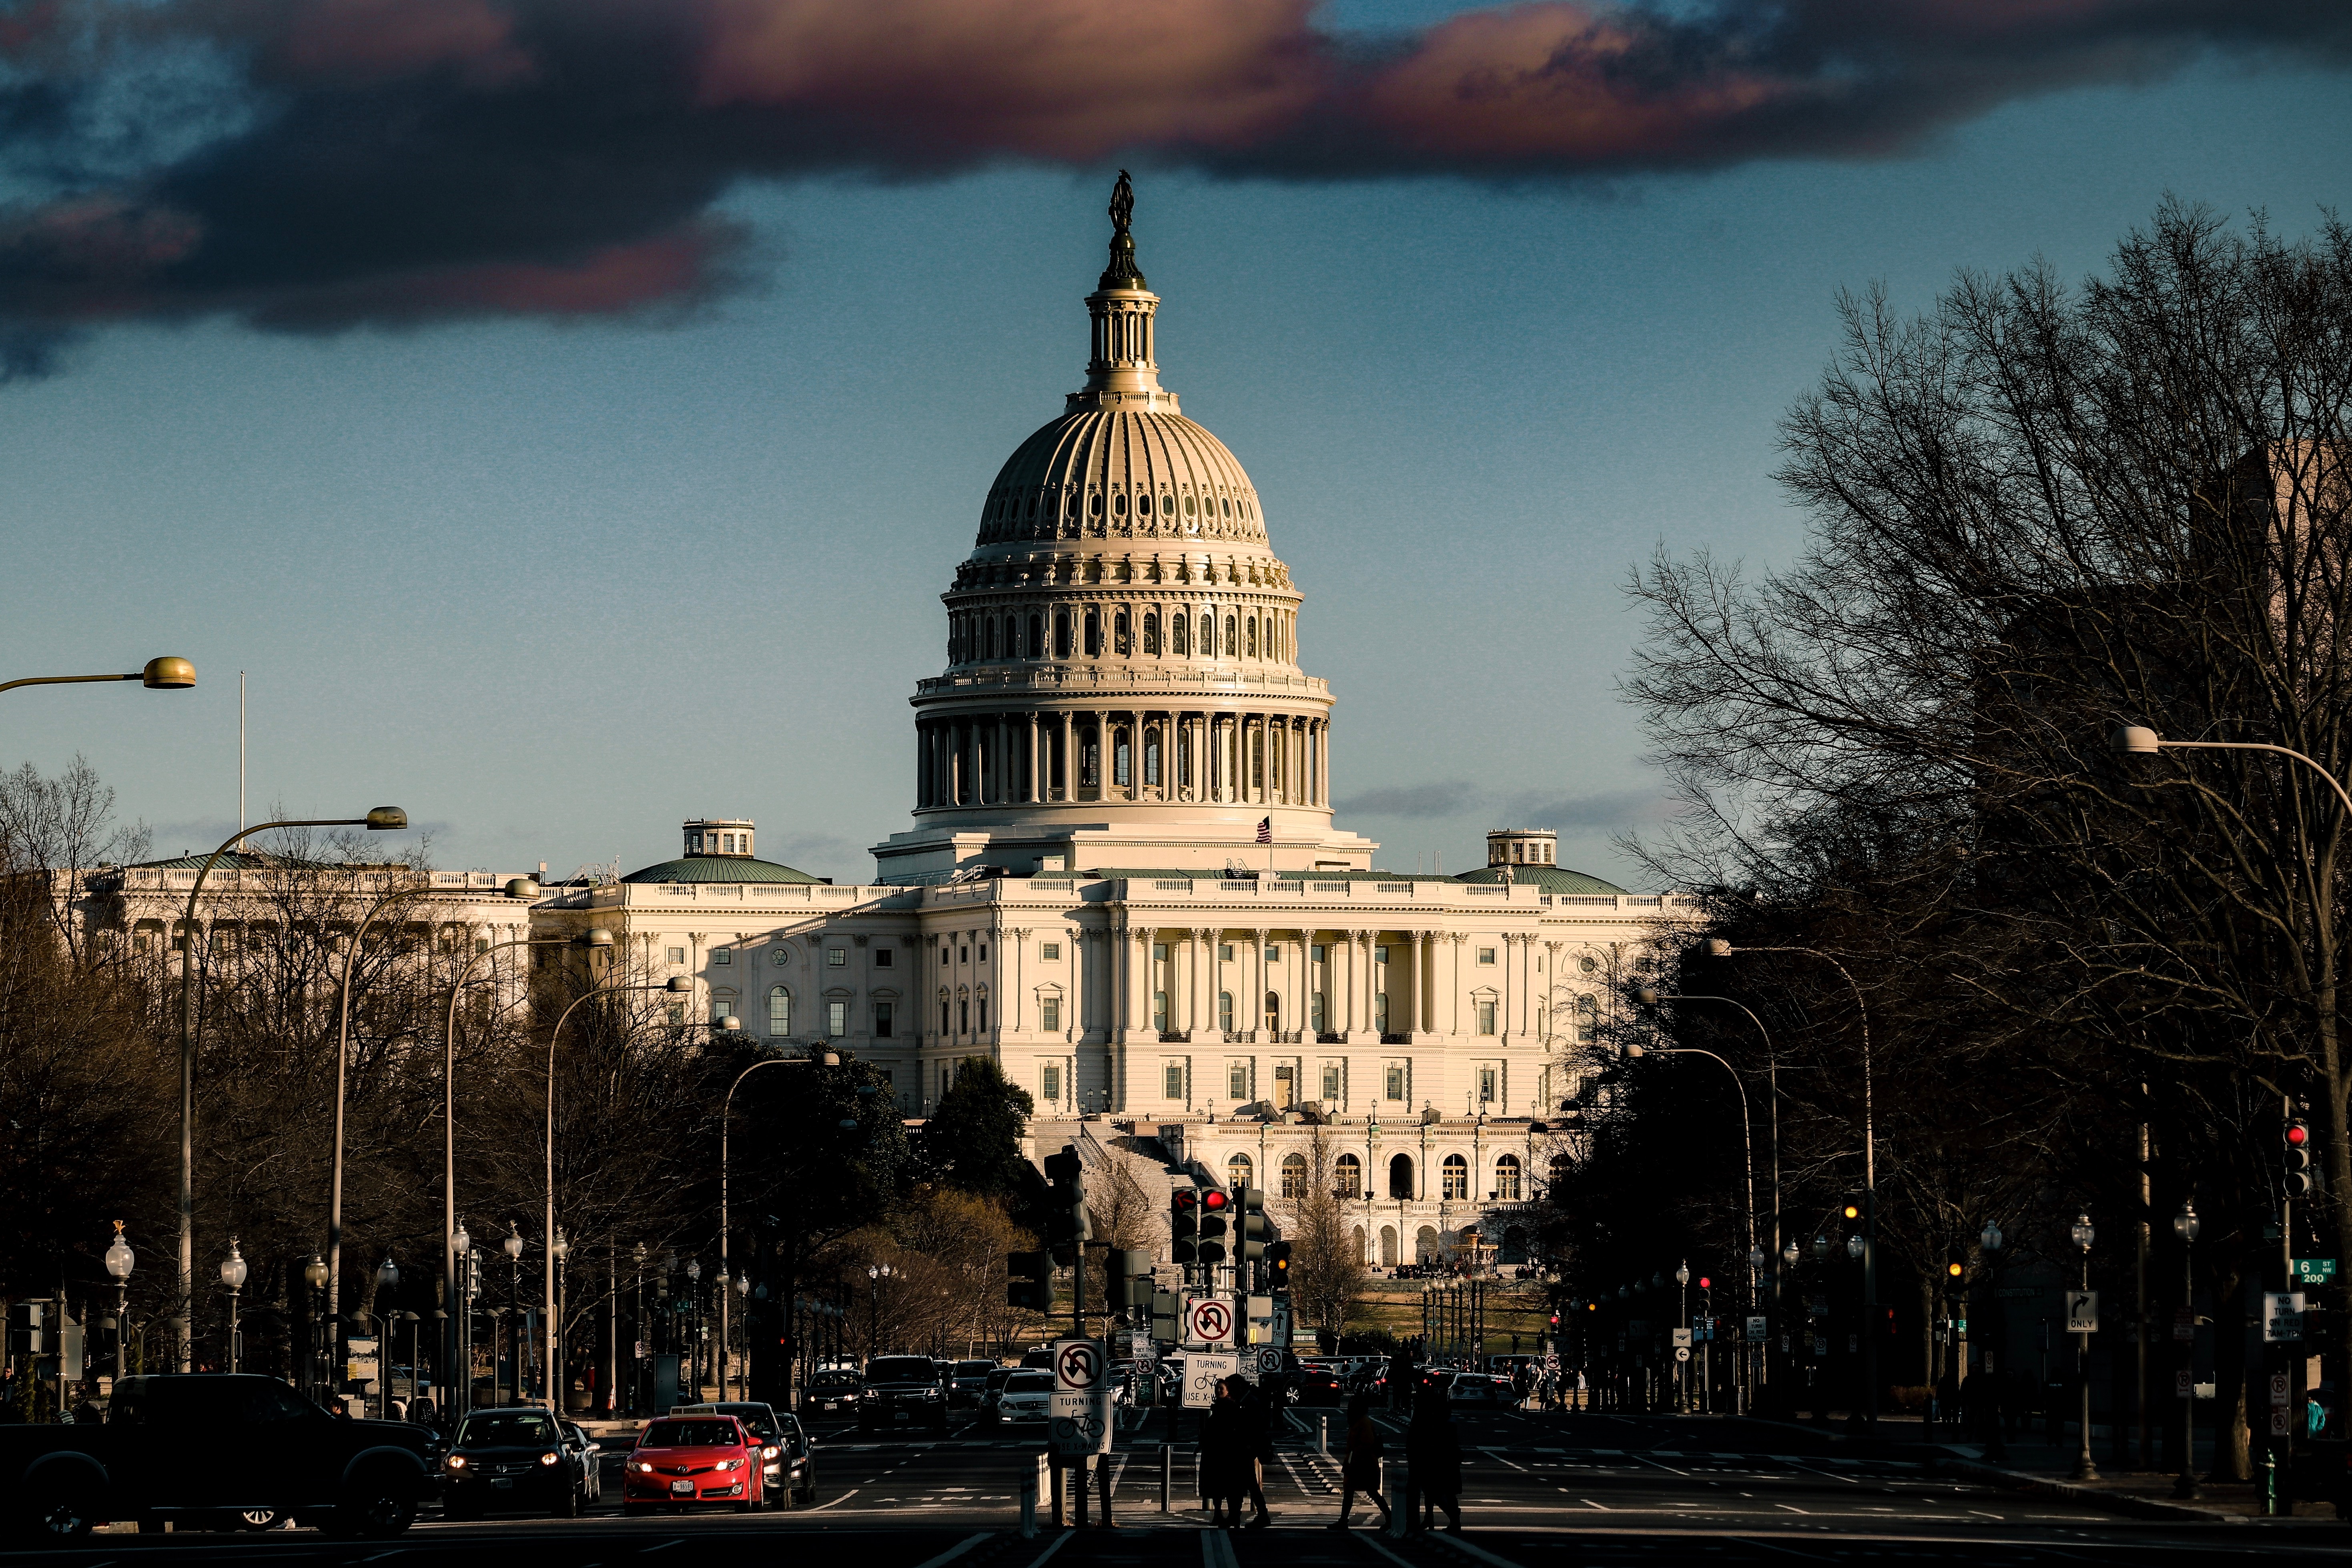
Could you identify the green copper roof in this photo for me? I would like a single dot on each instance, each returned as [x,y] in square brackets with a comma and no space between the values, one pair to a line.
[1550,878]
[719,869]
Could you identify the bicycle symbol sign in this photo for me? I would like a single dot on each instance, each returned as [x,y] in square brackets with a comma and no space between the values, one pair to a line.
[1213,1321]
[1079,1366]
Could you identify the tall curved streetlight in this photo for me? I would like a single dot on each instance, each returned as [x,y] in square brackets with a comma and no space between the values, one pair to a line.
[453,1237]
[167,674]
[381,820]
[819,1057]
[1718,947]
[2186,1224]
[2139,740]
[676,985]
[1649,996]
[119,1263]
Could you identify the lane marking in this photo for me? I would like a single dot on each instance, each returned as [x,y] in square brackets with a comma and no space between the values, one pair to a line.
[1668,1468]
[1059,1541]
[1383,1551]
[1492,1455]
[665,1546]
[958,1550]
[843,1498]
[1216,1549]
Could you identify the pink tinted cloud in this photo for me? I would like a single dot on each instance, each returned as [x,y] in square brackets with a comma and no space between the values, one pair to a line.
[1060,80]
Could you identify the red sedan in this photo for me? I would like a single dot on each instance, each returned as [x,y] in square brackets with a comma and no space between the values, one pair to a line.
[684,1459]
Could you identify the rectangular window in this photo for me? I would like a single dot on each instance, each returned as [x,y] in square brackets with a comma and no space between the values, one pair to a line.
[1160,1010]
[1273,953]
[837,957]
[678,956]
[836,1019]
[983,1015]
[1315,1012]
[1330,1082]
[983,953]
[1485,955]
[1049,1014]
[882,958]
[1380,1011]
[1160,951]
[1394,1088]
[881,1020]
[1485,1017]
[1171,1081]
[481,945]
[1317,953]
[721,955]
[964,1017]
[1049,1083]
[720,1006]
[963,955]
[1237,1080]
[1226,952]
[1487,1085]
[1379,955]
[1051,953]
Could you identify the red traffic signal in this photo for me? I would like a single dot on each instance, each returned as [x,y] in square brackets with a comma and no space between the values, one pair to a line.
[1215,1200]
[2298,1136]
[1704,1283]
[1186,1200]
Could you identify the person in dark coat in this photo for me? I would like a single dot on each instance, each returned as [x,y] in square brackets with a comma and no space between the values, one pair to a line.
[1225,1454]
[1400,1382]
[1359,1467]
[1257,1411]
[1432,1457]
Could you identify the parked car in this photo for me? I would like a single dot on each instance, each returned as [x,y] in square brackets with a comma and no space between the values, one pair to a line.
[513,1460]
[1482,1388]
[786,1468]
[838,1391]
[971,1381]
[903,1391]
[683,1461]
[1027,1396]
[215,1451]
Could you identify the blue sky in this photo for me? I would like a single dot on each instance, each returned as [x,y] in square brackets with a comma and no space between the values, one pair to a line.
[553,588]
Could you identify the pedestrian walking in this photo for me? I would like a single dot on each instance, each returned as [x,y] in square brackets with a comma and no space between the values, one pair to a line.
[1359,1467]
[1225,1454]
[1433,1457]
[1257,1413]
[1401,1381]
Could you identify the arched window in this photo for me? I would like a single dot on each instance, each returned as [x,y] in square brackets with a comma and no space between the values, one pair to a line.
[1176,638]
[1425,1245]
[1294,1175]
[943,1009]
[1231,646]
[1237,1171]
[1454,1174]
[1061,633]
[1388,1246]
[1347,1178]
[1400,1177]
[1508,1188]
[1225,1011]
[779,1011]
[994,646]
[1036,637]
[1094,635]
[1274,1009]
[1118,639]
[1151,756]
[1208,636]
[1249,632]
[1151,632]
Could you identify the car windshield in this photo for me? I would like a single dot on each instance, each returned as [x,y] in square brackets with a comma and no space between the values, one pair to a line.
[702,1434]
[902,1369]
[834,1380]
[757,1418]
[506,1429]
[1029,1383]
[974,1368]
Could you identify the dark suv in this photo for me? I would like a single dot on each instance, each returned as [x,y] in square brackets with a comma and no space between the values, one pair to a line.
[971,1382]
[516,1458]
[903,1391]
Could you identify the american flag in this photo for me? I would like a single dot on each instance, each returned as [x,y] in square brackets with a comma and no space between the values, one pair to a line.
[1266,830]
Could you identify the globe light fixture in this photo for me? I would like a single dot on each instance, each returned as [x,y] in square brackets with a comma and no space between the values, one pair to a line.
[1681,1276]
[118,1255]
[2186,1224]
[388,1275]
[2081,1233]
[459,1240]
[1992,1237]
[1853,1246]
[233,1268]
[315,1272]
[513,1243]
[1790,1253]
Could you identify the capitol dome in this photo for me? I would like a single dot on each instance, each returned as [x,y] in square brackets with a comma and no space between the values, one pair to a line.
[1099,472]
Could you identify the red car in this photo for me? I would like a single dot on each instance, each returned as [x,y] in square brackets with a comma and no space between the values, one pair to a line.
[684,1459]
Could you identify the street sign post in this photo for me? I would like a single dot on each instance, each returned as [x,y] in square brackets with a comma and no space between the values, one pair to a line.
[2081,1311]
[2314,1270]
[1203,1370]
[1681,1353]
[1208,1321]
[2282,1317]
[1682,1340]
[1758,1328]
[1282,1330]
[1079,1408]
[1261,1319]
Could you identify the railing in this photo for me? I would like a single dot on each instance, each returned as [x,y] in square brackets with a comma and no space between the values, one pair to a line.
[1119,678]
[1405,887]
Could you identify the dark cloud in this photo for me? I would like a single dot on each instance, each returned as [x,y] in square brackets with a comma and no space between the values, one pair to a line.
[1615,808]
[1451,799]
[394,161]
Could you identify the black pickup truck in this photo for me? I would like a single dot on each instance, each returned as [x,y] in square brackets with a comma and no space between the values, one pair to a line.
[213,1450]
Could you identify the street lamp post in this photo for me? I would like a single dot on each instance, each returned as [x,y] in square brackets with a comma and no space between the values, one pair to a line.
[559,1390]
[387,1284]
[2185,1225]
[821,1058]
[457,1329]
[453,1244]
[118,1262]
[314,1274]
[1718,948]
[1996,1343]
[512,1247]
[876,1273]
[165,673]
[381,820]
[2083,1235]
[1682,1380]
[233,1274]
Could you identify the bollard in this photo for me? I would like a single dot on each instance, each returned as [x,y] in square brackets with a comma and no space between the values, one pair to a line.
[1029,1507]
[1322,1445]
[1084,1464]
[1059,1480]
[2270,1481]
[1103,1483]
[1167,1476]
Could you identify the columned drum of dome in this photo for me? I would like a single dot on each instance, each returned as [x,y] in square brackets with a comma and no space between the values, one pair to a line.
[1122,680]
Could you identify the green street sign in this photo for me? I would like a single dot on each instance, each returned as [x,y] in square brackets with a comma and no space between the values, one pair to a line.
[2313,1270]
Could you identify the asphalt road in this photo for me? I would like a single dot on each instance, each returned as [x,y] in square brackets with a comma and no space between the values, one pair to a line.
[1538,1490]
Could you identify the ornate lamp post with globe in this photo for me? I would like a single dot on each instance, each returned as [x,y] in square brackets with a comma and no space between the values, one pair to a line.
[2083,1235]
[2185,1225]
[233,1275]
[118,1262]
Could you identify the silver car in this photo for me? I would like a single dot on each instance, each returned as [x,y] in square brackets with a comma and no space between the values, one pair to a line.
[1026,1397]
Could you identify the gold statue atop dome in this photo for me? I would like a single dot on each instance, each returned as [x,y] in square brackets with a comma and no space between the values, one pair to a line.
[1122,272]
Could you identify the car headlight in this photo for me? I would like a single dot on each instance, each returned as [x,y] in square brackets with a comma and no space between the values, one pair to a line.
[547,1458]
[457,1462]
[643,1468]
[730,1464]
[769,1452]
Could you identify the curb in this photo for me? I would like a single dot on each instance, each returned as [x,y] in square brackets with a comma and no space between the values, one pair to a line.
[2092,1497]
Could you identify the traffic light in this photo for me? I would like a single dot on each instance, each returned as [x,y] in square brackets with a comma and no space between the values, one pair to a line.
[1277,1266]
[1956,1265]
[1184,1224]
[2298,1159]
[1215,1207]
[1031,1281]
[1852,1212]
[1066,1205]
[1251,1227]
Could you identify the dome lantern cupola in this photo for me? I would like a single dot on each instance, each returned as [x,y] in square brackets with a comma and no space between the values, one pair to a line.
[1122,371]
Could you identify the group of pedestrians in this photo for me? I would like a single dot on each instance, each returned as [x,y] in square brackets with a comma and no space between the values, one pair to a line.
[1237,1444]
